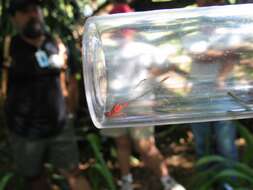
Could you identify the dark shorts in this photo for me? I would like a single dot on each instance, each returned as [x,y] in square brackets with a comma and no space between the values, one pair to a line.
[31,155]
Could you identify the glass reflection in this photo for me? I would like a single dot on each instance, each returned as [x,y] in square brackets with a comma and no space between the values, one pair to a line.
[181,65]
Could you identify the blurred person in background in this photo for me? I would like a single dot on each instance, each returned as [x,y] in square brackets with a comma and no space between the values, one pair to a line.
[120,6]
[34,83]
[142,138]
[216,137]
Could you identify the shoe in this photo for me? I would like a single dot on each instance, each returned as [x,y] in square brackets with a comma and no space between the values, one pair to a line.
[126,185]
[126,182]
[226,186]
[171,184]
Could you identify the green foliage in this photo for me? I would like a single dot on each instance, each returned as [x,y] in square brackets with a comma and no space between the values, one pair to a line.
[5,179]
[99,168]
[219,169]
[241,172]
[231,1]
[63,18]
[247,157]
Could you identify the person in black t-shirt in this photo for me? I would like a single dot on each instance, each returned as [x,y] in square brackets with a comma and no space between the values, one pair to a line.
[35,105]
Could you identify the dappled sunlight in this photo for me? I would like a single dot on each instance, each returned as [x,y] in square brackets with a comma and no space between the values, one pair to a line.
[161,71]
[199,47]
[180,161]
[151,35]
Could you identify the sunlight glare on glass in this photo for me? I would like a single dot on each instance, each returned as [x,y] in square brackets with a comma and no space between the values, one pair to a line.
[199,47]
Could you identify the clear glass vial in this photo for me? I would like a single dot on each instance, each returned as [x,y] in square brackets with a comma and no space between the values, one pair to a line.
[169,66]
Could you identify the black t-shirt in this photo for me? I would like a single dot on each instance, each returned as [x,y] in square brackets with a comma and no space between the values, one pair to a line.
[35,105]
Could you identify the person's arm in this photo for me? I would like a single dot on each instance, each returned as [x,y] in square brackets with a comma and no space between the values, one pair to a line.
[4,81]
[208,56]
[63,56]
[64,88]
[156,72]
[73,94]
[73,88]
[5,65]
[227,66]
[69,83]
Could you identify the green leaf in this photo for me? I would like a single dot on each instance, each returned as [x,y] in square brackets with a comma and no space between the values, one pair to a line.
[210,159]
[205,180]
[247,157]
[202,177]
[5,179]
[228,173]
[101,165]
[241,167]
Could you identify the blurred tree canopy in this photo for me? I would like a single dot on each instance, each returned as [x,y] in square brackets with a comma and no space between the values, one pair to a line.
[66,17]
